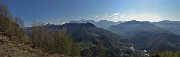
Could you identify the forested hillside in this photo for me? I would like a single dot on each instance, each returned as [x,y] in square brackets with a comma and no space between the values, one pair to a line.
[13,40]
[10,25]
[166,54]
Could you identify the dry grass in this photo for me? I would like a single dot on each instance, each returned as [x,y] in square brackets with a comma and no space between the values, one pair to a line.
[10,48]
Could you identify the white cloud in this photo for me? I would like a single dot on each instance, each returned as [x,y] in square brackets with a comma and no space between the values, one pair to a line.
[144,17]
[126,17]
[115,14]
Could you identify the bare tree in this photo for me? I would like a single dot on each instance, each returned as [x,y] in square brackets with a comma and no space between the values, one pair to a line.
[18,21]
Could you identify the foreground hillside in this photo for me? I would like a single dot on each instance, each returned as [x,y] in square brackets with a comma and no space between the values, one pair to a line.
[10,48]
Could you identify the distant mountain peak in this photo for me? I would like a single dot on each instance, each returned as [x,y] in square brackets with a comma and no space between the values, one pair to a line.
[80,24]
[49,24]
[136,22]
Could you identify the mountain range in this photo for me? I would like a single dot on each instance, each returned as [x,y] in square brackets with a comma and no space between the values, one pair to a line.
[101,24]
[120,38]
[87,36]
[173,26]
[147,36]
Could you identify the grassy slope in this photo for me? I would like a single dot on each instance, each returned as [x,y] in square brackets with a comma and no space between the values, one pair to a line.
[10,48]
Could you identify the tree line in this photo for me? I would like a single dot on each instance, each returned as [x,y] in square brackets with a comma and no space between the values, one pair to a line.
[55,42]
[166,54]
[11,25]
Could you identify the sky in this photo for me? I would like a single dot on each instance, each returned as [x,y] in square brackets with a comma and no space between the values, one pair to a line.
[60,11]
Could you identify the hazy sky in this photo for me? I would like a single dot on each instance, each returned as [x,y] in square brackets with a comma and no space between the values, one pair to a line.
[57,11]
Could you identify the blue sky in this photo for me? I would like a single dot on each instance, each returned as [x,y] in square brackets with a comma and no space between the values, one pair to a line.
[57,11]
